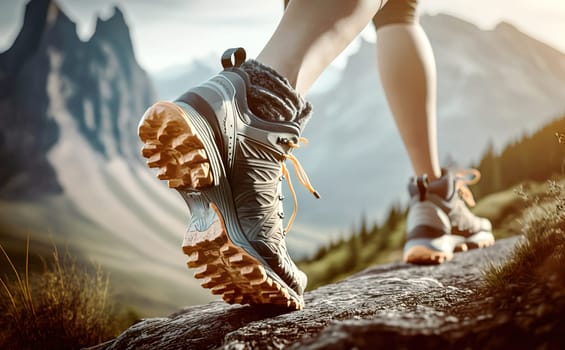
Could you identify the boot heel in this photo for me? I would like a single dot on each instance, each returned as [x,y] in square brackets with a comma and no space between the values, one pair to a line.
[172,144]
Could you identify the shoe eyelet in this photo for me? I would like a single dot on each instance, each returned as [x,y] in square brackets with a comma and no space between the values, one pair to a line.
[282,140]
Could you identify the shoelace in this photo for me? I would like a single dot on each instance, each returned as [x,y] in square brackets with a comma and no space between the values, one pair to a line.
[463,181]
[300,175]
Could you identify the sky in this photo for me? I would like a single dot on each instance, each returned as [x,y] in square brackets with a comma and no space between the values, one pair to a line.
[170,33]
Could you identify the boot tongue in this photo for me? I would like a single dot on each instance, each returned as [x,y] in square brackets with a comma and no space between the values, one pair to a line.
[442,187]
[271,97]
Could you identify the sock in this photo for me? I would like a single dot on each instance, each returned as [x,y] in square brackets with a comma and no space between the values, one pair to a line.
[272,98]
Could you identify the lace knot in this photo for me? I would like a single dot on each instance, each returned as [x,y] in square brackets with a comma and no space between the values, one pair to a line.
[462,181]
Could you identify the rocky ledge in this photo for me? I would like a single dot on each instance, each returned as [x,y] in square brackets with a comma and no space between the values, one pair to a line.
[397,305]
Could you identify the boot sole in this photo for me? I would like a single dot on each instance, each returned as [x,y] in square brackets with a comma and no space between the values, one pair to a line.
[480,244]
[461,247]
[480,240]
[172,144]
[422,255]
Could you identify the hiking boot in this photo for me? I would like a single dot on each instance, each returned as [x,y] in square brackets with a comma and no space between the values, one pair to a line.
[228,165]
[439,221]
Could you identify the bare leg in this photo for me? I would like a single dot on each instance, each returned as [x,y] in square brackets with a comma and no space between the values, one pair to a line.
[408,73]
[312,33]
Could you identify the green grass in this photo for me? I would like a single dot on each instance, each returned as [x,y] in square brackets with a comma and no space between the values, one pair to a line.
[67,306]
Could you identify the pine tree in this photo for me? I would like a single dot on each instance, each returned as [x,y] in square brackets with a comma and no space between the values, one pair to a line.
[364,232]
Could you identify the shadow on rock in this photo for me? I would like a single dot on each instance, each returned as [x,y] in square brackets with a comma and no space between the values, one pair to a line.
[197,327]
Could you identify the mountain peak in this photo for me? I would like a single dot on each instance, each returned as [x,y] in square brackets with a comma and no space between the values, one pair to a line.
[118,14]
[35,18]
[38,14]
[48,62]
[42,14]
[115,31]
[505,26]
[117,19]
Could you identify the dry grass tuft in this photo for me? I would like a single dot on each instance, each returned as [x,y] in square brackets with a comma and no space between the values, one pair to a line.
[68,306]
[531,284]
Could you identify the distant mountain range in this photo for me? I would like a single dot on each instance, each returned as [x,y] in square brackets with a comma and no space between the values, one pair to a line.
[70,155]
[50,79]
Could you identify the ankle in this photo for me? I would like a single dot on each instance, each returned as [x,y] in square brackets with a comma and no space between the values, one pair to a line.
[271,96]
[434,176]
[431,176]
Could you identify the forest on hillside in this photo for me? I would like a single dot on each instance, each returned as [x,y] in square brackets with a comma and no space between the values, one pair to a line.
[535,157]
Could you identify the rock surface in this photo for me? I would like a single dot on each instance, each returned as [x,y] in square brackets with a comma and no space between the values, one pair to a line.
[395,304]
